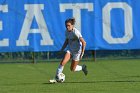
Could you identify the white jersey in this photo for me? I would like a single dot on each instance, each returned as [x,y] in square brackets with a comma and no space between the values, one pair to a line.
[74,43]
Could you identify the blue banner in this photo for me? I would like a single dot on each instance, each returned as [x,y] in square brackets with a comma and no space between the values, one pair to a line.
[39,25]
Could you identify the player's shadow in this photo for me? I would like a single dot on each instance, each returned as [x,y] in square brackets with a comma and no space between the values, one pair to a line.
[109,81]
[106,81]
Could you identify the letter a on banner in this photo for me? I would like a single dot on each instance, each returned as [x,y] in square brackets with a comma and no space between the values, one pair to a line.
[34,10]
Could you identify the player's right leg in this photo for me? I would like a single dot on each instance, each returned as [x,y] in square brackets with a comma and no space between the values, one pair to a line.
[61,66]
[63,62]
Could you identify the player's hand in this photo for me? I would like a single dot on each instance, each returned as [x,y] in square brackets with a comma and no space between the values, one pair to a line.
[81,55]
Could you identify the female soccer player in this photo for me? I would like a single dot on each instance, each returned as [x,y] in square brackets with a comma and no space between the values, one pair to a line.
[76,47]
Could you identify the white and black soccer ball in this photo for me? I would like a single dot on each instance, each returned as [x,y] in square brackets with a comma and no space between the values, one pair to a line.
[60,77]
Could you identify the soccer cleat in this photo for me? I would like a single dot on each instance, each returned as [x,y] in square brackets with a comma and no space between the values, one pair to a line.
[52,81]
[84,69]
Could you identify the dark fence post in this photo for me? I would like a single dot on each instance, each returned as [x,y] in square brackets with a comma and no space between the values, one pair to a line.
[33,57]
[94,55]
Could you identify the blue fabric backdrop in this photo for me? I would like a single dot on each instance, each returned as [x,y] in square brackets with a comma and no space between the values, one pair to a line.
[39,25]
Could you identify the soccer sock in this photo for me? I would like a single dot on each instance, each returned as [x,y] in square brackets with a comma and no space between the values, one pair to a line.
[59,69]
[78,68]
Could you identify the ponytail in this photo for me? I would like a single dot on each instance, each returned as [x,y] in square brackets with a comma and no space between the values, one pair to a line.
[70,20]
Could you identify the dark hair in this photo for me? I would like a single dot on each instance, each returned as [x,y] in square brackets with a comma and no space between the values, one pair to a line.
[70,20]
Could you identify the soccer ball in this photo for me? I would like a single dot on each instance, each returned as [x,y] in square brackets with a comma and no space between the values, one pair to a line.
[60,77]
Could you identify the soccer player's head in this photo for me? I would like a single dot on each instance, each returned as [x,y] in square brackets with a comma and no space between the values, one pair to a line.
[69,23]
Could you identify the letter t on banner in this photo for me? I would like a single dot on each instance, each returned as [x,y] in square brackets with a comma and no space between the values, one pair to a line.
[76,10]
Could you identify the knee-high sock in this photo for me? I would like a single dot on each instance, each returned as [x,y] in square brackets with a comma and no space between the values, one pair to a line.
[78,68]
[59,69]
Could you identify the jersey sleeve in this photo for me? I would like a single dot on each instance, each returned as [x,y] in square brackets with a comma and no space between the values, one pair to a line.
[78,34]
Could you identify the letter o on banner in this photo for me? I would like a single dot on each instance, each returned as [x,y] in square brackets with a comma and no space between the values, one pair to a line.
[107,23]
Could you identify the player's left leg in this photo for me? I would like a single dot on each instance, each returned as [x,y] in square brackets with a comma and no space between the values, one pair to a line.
[75,62]
[75,66]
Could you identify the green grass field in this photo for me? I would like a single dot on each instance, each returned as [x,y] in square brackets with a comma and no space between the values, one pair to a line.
[105,76]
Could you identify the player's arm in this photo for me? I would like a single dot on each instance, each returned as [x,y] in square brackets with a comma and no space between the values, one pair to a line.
[83,46]
[64,45]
